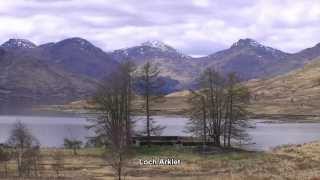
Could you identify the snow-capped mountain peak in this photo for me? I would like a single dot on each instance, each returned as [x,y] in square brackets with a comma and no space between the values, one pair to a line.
[78,41]
[81,41]
[253,44]
[247,42]
[157,44]
[19,43]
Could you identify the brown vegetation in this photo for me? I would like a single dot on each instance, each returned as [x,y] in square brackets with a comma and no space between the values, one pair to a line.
[287,162]
[296,93]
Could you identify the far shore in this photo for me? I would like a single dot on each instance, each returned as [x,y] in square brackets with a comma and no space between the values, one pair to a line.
[288,118]
[282,118]
[172,107]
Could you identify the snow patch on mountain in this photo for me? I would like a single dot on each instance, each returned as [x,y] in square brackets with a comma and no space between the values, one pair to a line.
[253,44]
[157,44]
[246,42]
[19,43]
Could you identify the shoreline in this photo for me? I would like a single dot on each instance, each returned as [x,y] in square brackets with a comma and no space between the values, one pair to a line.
[53,111]
[288,118]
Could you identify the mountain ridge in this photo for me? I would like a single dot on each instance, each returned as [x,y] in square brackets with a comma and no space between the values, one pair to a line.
[79,60]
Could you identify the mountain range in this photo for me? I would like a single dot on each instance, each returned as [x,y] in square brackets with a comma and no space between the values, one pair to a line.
[55,73]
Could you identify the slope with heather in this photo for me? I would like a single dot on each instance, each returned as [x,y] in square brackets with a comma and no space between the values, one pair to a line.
[295,93]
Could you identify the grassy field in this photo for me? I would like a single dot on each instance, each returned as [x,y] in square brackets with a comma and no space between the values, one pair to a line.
[287,162]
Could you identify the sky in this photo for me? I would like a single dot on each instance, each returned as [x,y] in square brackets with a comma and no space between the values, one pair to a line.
[194,27]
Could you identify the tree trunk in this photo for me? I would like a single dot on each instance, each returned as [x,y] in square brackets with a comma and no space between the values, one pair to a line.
[128,104]
[230,120]
[120,168]
[225,125]
[119,173]
[147,93]
[148,120]
[204,124]
[6,169]
[20,162]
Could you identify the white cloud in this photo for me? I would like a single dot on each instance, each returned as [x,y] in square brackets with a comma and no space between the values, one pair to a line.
[192,26]
[201,3]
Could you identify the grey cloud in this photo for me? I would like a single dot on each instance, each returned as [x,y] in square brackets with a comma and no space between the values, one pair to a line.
[193,26]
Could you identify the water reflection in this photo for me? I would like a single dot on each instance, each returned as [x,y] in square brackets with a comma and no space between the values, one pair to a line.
[52,130]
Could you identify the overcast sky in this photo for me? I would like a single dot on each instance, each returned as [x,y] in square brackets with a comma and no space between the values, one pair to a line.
[194,27]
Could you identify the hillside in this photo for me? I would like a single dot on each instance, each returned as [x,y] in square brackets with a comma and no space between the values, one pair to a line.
[295,93]
[26,81]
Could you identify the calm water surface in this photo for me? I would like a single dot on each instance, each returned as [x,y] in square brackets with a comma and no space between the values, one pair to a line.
[52,130]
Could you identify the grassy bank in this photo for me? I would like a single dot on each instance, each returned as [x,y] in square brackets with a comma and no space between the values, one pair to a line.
[288,162]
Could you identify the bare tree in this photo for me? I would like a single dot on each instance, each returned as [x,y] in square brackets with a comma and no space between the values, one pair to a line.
[26,146]
[237,98]
[148,86]
[198,116]
[212,88]
[112,121]
[218,108]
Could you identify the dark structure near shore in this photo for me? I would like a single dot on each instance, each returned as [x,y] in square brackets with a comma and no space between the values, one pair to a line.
[168,140]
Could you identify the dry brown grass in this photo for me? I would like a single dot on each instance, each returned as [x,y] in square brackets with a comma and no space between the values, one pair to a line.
[294,93]
[287,162]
